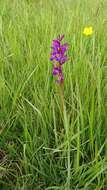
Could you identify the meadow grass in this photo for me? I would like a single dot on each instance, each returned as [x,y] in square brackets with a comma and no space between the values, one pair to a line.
[41,147]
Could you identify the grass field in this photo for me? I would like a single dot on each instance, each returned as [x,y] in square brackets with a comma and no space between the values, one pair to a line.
[42,147]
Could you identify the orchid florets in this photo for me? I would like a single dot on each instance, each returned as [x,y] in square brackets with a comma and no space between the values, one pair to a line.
[58,57]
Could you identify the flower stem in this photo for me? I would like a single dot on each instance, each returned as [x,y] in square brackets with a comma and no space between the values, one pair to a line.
[61,93]
[66,126]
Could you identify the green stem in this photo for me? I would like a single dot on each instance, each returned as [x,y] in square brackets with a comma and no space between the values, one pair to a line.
[63,109]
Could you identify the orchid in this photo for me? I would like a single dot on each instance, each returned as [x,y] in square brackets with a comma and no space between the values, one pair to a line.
[58,57]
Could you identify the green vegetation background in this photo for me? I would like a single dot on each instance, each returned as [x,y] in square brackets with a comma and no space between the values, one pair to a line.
[39,148]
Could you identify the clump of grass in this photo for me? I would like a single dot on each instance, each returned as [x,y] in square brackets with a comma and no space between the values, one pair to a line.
[43,149]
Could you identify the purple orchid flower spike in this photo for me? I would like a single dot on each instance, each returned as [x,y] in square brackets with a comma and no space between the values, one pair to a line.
[58,57]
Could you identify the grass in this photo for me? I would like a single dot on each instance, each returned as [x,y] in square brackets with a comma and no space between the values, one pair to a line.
[42,148]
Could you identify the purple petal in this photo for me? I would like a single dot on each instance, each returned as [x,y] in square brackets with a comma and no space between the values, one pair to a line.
[52,57]
[64,48]
[58,58]
[57,71]
[63,59]
[55,43]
